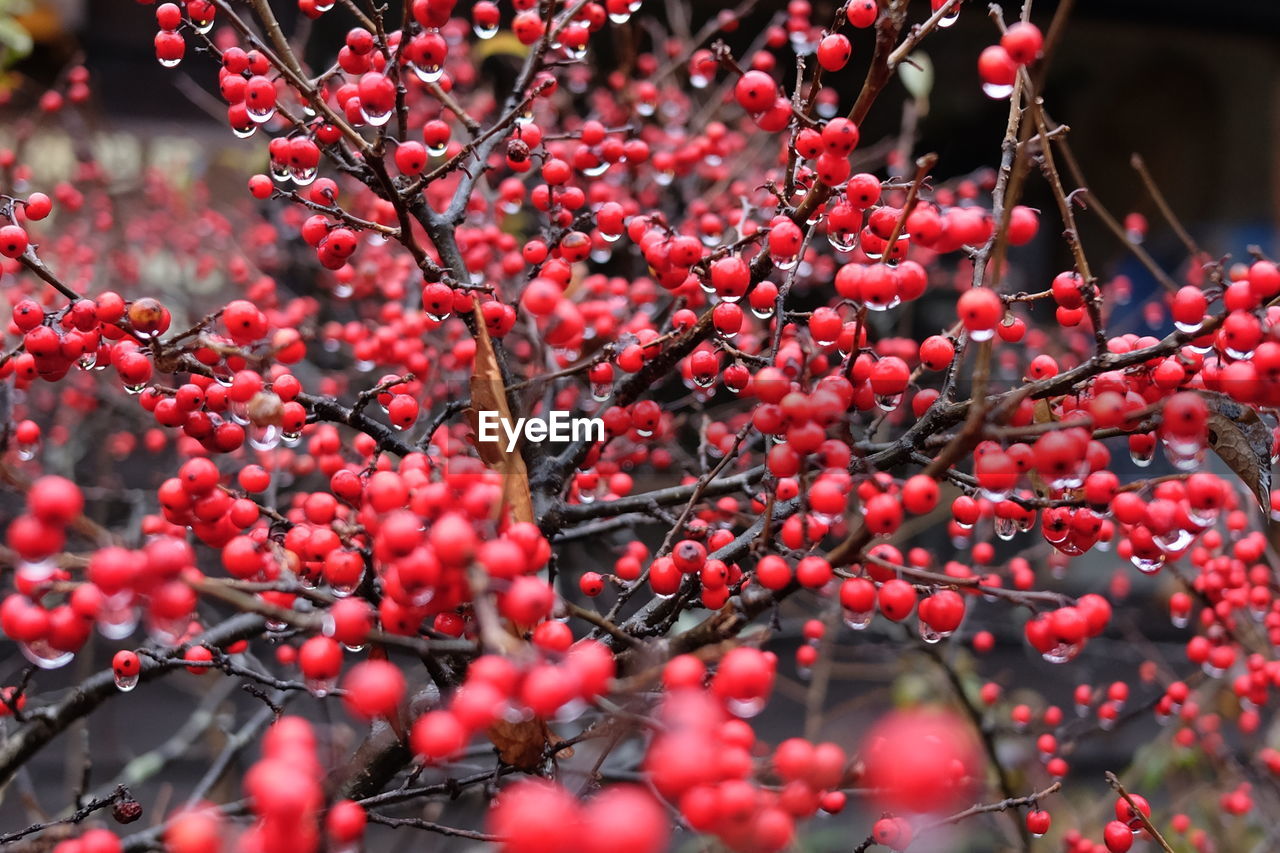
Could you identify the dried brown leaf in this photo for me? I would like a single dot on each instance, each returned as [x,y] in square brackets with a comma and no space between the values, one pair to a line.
[488,393]
[523,744]
[1243,441]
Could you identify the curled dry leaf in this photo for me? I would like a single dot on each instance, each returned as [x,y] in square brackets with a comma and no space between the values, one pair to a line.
[524,744]
[1241,439]
[519,744]
[488,394]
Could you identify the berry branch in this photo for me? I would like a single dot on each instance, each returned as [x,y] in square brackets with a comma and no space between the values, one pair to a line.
[830,400]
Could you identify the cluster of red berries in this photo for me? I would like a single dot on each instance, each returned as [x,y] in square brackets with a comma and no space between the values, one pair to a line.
[569,678]
[702,759]
[426,533]
[1019,46]
[52,619]
[535,815]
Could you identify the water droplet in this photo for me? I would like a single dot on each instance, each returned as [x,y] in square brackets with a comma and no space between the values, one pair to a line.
[484,33]
[1147,566]
[1062,652]
[1006,528]
[375,119]
[842,241]
[244,132]
[261,116]
[36,574]
[168,632]
[802,44]
[125,683]
[745,708]
[946,21]
[1174,541]
[45,656]
[1055,535]
[784,262]
[264,437]
[427,73]
[304,177]
[697,81]
[170,63]
[858,620]
[888,402]
[342,590]
[991,90]
[321,687]
[118,617]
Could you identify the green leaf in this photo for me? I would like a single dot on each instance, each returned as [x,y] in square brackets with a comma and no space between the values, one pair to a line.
[15,38]
[917,76]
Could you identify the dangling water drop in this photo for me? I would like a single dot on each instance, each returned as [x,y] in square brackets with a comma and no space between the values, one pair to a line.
[45,656]
[858,620]
[261,116]
[427,73]
[745,708]
[375,119]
